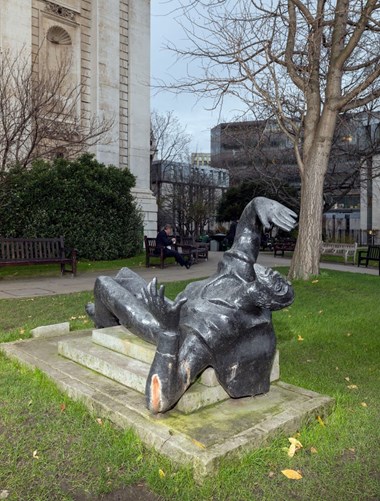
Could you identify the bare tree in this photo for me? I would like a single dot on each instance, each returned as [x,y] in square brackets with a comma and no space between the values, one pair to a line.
[170,137]
[190,200]
[258,151]
[39,115]
[170,145]
[356,141]
[305,62]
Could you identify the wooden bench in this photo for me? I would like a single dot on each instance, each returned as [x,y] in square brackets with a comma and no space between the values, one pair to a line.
[152,252]
[199,250]
[286,245]
[335,248]
[371,254]
[27,251]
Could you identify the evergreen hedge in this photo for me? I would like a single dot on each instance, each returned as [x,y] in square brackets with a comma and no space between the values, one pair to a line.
[90,204]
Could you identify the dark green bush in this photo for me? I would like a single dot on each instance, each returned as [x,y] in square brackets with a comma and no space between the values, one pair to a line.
[90,204]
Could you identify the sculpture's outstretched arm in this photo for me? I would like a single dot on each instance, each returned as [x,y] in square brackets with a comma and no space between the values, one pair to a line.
[260,213]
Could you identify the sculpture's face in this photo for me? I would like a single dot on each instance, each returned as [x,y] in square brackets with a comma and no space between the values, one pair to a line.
[270,278]
[272,290]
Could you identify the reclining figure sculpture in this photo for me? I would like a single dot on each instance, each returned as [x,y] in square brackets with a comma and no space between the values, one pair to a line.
[223,321]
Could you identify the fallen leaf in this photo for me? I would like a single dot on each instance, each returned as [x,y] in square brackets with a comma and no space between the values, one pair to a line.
[347,378]
[198,444]
[315,281]
[291,450]
[63,407]
[271,474]
[292,474]
[30,403]
[320,312]
[295,442]
[161,473]
[363,404]
[300,338]
[352,387]
[320,421]
[313,450]
[22,331]
[4,494]
[99,421]
[351,449]
[35,455]
[295,445]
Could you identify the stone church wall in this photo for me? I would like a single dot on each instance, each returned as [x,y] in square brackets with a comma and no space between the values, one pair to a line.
[108,42]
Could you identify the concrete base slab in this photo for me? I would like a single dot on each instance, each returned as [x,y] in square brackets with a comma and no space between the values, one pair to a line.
[201,439]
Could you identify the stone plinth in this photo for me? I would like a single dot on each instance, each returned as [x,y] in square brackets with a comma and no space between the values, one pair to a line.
[228,428]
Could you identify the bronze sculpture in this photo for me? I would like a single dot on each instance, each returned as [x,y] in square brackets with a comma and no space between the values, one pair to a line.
[223,321]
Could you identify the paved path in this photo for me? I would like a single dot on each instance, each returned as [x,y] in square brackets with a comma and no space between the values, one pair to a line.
[46,286]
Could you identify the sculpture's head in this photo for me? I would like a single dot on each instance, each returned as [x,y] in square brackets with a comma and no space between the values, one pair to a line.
[269,290]
[264,289]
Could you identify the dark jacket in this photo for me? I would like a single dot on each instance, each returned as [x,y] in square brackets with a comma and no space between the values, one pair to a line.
[162,240]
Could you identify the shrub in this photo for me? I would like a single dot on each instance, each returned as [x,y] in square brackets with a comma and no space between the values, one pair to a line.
[90,204]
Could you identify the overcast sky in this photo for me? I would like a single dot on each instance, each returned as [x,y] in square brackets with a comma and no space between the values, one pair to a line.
[193,115]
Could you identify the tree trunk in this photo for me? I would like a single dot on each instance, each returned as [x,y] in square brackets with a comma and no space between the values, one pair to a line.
[305,262]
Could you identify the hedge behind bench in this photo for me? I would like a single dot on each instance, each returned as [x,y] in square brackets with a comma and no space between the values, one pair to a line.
[89,203]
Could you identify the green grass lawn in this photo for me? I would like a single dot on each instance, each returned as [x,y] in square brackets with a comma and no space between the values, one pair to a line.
[51,270]
[53,449]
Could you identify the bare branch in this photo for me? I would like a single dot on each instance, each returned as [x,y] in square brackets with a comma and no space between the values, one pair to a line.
[40,113]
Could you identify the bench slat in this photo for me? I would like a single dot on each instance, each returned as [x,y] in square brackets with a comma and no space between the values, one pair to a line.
[340,248]
[23,251]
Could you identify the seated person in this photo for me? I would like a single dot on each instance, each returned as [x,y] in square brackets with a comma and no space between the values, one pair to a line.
[166,241]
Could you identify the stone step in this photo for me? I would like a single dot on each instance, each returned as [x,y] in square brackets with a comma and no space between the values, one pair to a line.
[133,373]
[125,370]
[121,340]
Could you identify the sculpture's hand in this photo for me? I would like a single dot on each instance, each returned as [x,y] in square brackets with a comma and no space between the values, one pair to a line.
[165,311]
[272,212]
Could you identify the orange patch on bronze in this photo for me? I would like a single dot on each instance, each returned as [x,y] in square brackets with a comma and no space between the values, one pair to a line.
[155,393]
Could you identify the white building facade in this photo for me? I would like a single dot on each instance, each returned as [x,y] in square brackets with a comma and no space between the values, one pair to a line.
[108,42]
